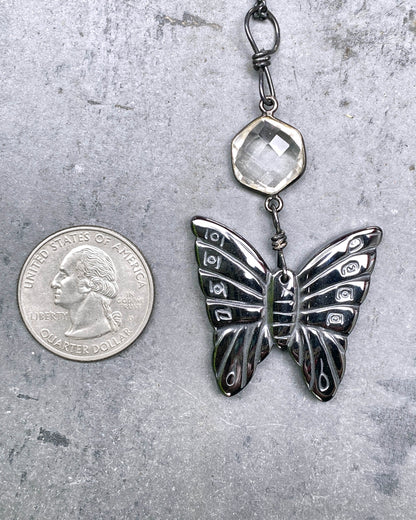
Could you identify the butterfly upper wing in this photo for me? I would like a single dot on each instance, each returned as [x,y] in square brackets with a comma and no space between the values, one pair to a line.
[234,279]
[332,287]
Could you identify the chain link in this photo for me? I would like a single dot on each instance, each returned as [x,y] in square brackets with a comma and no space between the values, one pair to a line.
[262,57]
[274,204]
[261,10]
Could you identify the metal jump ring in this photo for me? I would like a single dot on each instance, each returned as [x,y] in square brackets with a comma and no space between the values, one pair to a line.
[277,203]
[265,108]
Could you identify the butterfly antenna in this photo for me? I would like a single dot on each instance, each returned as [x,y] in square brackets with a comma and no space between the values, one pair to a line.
[274,204]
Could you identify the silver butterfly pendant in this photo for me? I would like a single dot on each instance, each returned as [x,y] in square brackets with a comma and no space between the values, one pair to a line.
[310,314]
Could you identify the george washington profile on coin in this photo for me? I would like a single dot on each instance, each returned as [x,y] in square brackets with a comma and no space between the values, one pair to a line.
[85,285]
[85,293]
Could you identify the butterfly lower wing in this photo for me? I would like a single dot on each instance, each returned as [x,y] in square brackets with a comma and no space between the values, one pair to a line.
[233,278]
[238,350]
[321,355]
[331,287]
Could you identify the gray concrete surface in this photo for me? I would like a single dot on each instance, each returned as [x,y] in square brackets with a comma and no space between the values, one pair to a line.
[120,113]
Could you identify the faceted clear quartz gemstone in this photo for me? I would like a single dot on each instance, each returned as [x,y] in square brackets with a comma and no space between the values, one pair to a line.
[268,155]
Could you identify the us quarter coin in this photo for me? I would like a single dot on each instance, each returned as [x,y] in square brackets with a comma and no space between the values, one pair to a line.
[85,293]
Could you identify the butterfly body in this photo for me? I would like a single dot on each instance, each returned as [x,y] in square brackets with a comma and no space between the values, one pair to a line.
[284,308]
[253,309]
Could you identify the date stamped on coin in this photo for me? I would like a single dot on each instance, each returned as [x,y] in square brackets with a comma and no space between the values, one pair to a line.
[85,293]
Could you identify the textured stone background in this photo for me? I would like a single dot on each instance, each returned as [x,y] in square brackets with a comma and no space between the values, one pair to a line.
[120,113]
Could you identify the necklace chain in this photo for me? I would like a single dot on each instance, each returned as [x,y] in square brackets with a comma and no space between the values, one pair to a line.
[261,10]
